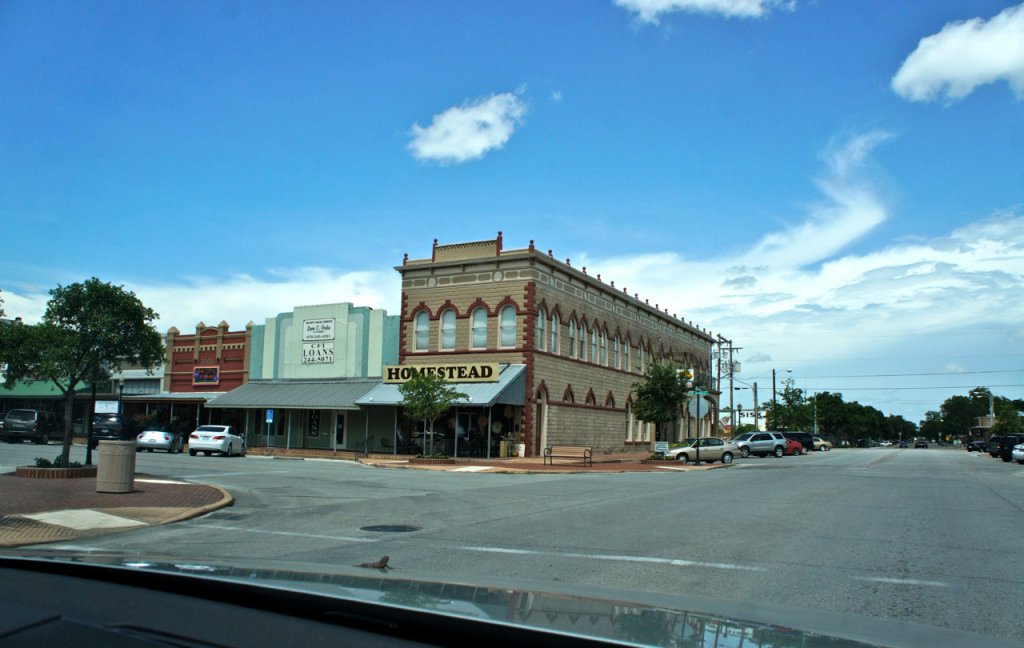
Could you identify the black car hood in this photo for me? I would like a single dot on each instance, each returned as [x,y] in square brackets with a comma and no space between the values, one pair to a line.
[629,617]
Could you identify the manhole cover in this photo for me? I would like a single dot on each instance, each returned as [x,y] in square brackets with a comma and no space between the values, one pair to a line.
[391,528]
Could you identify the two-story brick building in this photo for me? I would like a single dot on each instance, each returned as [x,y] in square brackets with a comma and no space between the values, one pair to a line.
[569,347]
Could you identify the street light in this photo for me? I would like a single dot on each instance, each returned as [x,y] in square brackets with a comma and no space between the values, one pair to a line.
[756,410]
[775,411]
[120,405]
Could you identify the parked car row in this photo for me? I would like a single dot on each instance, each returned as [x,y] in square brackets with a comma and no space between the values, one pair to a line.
[759,444]
[1009,447]
[40,427]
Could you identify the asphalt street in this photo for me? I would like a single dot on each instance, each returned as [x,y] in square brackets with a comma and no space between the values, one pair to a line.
[922,536]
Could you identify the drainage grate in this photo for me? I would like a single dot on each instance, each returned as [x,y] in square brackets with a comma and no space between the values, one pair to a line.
[391,528]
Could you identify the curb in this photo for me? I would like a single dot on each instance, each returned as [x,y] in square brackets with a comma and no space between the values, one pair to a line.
[226,500]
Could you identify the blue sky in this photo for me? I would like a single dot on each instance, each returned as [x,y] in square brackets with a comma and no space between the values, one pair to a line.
[836,186]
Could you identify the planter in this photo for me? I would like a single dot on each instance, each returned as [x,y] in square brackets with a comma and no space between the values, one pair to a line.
[31,472]
[659,461]
[424,461]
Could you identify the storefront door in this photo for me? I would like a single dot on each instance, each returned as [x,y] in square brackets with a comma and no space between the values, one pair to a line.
[469,431]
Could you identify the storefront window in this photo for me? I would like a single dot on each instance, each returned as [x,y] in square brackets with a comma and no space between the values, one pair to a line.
[422,331]
[479,328]
[555,327]
[541,321]
[448,329]
[507,319]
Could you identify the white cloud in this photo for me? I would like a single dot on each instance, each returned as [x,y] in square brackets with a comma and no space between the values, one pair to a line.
[965,55]
[239,299]
[469,131]
[649,11]
[794,299]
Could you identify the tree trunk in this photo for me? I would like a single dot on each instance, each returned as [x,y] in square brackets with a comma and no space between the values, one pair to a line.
[69,425]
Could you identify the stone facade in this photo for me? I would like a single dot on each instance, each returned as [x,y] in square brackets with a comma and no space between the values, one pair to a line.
[574,395]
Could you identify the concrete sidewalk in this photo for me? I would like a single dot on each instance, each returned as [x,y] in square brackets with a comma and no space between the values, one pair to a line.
[602,463]
[34,511]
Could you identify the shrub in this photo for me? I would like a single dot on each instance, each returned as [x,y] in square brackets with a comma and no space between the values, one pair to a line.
[56,463]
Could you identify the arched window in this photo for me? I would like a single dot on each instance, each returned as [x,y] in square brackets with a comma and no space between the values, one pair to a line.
[593,344]
[627,361]
[572,338]
[541,322]
[604,349]
[507,320]
[479,325]
[448,329]
[422,331]
[615,353]
[555,328]
[641,357]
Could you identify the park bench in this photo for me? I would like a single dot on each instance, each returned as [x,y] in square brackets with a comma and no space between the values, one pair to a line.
[568,452]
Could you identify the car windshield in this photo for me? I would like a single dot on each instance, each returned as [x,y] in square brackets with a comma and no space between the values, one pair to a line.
[464,284]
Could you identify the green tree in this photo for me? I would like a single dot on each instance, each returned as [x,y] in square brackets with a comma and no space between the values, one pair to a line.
[931,426]
[659,399]
[427,396]
[960,413]
[88,329]
[1008,419]
[790,411]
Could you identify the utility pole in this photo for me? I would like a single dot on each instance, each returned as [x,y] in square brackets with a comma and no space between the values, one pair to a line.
[757,425]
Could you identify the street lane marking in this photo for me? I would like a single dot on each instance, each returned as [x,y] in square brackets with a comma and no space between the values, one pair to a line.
[471,469]
[290,534]
[641,559]
[233,474]
[903,581]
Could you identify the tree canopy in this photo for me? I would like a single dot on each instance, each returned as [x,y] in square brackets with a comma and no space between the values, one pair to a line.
[427,396]
[88,330]
[660,397]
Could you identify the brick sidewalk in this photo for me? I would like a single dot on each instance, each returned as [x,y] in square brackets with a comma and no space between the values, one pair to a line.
[152,502]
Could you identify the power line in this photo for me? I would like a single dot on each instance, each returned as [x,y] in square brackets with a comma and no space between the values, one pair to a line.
[888,388]
[927,373]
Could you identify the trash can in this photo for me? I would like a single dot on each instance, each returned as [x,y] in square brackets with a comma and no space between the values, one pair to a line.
[520,449]
[116,470]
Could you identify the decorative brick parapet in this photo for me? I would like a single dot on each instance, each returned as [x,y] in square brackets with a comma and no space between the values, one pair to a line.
[31,472]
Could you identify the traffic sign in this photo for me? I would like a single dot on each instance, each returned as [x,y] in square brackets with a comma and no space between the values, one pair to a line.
[699,393]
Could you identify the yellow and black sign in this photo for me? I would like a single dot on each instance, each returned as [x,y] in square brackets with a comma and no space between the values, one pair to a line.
[458,373]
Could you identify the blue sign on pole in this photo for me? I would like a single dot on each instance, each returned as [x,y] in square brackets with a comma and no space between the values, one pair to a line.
[270,416]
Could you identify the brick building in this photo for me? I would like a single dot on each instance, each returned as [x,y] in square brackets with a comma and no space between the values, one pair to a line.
[576,343]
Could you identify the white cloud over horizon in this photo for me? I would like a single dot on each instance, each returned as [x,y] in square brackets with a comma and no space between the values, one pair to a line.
[650,11]
[468,132]
[964,55]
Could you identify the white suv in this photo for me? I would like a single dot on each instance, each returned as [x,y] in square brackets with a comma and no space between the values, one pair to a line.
[761,444]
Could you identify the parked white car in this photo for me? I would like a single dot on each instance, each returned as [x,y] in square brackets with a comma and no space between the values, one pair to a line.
[216,438]
[1017,454]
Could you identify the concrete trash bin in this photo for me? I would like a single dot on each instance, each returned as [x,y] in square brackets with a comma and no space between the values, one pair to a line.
[116,470]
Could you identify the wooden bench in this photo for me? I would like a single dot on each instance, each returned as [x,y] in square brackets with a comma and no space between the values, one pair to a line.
[568,452]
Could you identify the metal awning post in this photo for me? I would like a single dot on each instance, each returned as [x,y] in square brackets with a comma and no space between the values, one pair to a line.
[394,449]
[366,438]
[489,431]
[456,433]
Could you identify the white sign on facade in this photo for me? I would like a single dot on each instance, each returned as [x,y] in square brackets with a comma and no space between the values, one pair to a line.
[106,407]
[317,329]
[317,352]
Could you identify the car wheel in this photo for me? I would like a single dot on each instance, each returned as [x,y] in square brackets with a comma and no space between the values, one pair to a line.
[683,458]
[744,452]
[42,439]
[826,448]
[192,453]
[1021,461]
[138,449]
[727,458]
[778,452]
[207,452]
[803,451]
[242,453]
[149,449]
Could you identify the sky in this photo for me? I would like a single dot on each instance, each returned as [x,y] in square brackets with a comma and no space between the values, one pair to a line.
[837,187]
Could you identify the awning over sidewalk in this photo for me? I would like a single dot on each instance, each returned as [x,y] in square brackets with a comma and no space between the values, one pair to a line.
[174,397]
[340,393]
[509,390]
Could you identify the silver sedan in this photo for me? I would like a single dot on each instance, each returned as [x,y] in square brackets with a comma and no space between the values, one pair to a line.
[159,438]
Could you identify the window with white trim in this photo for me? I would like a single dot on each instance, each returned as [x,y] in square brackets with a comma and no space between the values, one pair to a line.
[422,330]
[448,330]
[615,353]
[593,344]
[478,324]
[627,349]
[507,323]
[555,328]
[572,338]
[541,321]
[604,349]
